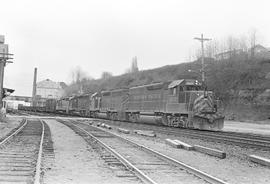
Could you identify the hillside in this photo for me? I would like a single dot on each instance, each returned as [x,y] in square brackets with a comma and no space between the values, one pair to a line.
[242,85]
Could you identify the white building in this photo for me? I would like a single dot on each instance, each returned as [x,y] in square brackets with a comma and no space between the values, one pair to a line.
[13,102]
[50,89]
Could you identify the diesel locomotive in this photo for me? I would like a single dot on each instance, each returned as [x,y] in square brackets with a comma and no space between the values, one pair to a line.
[181,103]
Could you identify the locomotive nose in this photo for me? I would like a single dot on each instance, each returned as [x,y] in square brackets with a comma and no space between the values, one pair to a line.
[203,104]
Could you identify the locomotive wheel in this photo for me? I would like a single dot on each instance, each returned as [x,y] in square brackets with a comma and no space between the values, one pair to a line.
[176,122]
[184,122]
[114,116]
[172,121]
[132,118]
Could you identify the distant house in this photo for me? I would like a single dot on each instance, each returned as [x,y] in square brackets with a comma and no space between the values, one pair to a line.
[259,51]
[50,89]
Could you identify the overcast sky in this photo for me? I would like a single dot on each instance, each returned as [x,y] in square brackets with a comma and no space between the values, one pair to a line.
[57,35]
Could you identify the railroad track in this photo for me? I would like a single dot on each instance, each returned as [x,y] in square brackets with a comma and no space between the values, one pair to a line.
[21,153]
[240,139]
[148,165]
[243,140]
[235,138]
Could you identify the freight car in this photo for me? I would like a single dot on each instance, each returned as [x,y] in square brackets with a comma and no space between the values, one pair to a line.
[50,105]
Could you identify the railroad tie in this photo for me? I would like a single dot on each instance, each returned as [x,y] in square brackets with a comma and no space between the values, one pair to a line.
[259,160]
[210,151]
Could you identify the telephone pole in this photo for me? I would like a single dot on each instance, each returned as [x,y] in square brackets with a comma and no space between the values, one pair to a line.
[4,58]
[202,39]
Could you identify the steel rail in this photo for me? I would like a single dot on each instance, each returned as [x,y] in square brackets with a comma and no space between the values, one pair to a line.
[196,172]
[38,164]
[243,135]
[129,165]
[223,138]
[251,140]
[14,133]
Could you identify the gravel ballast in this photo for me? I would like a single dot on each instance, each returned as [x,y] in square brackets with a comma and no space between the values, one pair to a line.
[75,161]
[236,168]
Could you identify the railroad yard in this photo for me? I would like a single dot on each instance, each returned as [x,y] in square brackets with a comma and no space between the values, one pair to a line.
[45,148]
[137,92]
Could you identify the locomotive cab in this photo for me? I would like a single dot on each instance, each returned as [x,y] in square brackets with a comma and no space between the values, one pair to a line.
[192,107]
[95,103]
[181,94]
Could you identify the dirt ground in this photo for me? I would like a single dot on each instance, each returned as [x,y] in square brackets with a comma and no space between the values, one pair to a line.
[75,161]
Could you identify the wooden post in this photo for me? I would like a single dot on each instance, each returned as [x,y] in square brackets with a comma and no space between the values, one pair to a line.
[2,66]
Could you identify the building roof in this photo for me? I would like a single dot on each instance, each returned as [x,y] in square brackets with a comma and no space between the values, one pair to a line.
[259,46]
[49,84]
[175,83]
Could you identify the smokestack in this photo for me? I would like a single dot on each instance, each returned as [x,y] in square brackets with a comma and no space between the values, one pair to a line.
[34,88]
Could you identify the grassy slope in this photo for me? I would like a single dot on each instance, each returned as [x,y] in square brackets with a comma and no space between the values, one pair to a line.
[238,82]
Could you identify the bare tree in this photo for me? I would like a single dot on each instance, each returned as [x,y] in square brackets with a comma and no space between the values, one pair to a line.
[106,75]
[252,40]
[134,65]
[78,75]
[212,48]
[79,79]
[243,43]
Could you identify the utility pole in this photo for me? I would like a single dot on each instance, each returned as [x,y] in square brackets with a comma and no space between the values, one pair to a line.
[4,58]
[202,39]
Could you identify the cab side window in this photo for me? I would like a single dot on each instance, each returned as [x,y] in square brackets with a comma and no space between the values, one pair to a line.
[181,89]
[181,98]
[173,91]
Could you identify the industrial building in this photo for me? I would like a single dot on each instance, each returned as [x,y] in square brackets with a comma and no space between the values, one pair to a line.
[50,89]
